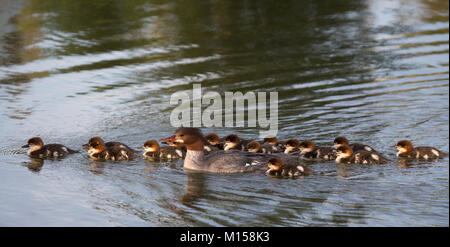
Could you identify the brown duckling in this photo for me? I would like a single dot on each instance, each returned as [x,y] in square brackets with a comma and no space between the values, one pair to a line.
[407,150]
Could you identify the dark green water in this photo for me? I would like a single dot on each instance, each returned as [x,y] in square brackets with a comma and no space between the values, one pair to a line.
[374,71]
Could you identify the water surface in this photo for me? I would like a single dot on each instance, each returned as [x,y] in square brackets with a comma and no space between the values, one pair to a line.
[374,71]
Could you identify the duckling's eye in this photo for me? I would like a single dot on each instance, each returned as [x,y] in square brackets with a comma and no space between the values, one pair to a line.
[181,135]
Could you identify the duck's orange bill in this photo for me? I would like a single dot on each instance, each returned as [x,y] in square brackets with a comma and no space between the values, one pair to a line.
[168,139]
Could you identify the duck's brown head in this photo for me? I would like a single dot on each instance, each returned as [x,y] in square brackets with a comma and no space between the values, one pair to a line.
[275,164]
[95,145]
[192,138]
[340,141]
[404,146]
[306,146]
[212,138]
[253,147]
[150,146]
[271,140]
[291,145]
[34,143]
[344,152]
[231,142]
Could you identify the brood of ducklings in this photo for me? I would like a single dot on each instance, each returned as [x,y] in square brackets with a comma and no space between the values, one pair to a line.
[407,150]
[286,169]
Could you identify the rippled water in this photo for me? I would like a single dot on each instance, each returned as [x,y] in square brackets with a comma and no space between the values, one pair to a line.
[375,71]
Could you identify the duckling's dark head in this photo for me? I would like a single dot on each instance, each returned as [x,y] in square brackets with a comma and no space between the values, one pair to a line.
[271,140]
[34,143]
[404,146]
[253,146]
[344,151]
[340,141]
[151,146]
[212,138]
[96,145]
[275,164]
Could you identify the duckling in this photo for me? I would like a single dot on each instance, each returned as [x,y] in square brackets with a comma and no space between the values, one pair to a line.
[277,146]
[154,150]
[39,150]
[213,139]
[407,150]
[292,146]
[286,169]
[341,141]
[346,155]
[309,150]
[116,151]
[254,147]
[235,142]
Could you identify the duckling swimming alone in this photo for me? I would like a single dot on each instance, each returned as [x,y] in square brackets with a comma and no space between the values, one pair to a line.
[116,151]
[39,150]
[154,150]
[283,169]
[309,150]
[346,155]
[407,150]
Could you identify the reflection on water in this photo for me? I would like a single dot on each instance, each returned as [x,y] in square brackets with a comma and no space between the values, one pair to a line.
[374,71]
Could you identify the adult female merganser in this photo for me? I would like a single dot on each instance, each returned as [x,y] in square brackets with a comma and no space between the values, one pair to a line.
[154,150]
[230,161]
[116,151]
[345,155]
[39,150]
[407,150]
[342,141]
[282,169]
[309,150]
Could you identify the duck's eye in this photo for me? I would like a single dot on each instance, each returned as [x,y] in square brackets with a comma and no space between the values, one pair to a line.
[181,135]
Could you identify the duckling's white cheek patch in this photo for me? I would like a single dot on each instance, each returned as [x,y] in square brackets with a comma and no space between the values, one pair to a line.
[179,152]
[368,148]
[300,168]
[65,149]
[425,156]
[207,149]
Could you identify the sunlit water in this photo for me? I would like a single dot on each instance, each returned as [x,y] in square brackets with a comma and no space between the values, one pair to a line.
[374,71]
